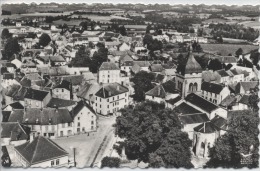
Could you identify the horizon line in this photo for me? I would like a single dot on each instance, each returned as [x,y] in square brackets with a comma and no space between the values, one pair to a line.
[7,2]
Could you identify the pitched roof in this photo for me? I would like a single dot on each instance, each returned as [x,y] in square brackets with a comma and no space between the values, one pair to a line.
[212,87]
[64,84]
[16,105]
[230,100]
[222,73]
[8,76]
[156,68]
[126,58]
[40,150]
[35,94]
[6,115]
[219,122]
[174,100]
[194,118]
[184,108]
[74,79]
[88,90]
[59,103]
[192,66]
[17,92]
[244,99]
[15,131]
[206,127]
[200,102]
[108,66]
[16,116]
[162,89]
[80,105]
[111,90]
[246,86]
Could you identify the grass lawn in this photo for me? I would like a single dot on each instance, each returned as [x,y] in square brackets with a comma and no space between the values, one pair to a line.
[225,49]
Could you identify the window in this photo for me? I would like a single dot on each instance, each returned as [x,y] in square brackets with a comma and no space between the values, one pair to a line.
[78,123]
[78,118]
[62,90]
[96,98]
[191,87]
[107,106]
[117,97]
[195,87]
[108,100]
[92,122]
[52,163]
[57,162]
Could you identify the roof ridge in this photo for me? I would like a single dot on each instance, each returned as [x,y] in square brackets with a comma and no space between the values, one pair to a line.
[34,151]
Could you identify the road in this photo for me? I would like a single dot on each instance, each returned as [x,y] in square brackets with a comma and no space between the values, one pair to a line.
[90,149]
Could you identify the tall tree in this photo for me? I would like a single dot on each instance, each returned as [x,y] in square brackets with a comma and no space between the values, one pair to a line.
[147,39]
[150,130]
[122,31]
[5,34]
[44,40]
[98,58]
[214,65]
[143,83]
[241,136]
[11,47]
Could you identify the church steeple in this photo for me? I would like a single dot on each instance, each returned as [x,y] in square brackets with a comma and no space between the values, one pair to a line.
[192,66]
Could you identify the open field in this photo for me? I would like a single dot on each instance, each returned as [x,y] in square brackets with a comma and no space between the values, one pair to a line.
[100,18]
[253,24]
[17,16]
[72,22]
[226,49]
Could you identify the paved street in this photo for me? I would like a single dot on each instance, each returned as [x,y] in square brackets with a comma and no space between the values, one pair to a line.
[88,146]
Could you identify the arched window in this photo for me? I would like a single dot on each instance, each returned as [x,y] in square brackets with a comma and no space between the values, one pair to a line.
[195,87]
[191,87]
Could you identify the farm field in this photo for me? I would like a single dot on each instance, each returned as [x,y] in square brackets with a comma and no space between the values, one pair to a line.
[226,49]
[100,18]
[253,24]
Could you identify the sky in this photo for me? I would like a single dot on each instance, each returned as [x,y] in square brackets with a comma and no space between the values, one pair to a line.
[172,2]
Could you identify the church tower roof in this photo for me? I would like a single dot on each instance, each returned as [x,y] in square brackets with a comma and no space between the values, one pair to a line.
[192,66]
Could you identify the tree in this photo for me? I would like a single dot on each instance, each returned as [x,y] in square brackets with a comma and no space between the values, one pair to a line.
[11,47]
[242,133]
[5,34]
[239,52]
[150,130]
[122,31]
[82,58]
[143,83]
[112,162]
[98,58]
[253,101]
[44,40]
[173,150]
[147,39]
[214,65]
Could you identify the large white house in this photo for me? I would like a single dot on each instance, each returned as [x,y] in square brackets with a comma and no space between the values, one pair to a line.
[109,73]
[110,98]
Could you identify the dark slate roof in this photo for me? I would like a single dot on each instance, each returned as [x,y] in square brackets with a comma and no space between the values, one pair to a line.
[201,102]
[234,71]
[173,101]
[125,58]
[222,73]
[64,84]
[74,79]
[8,76]
[46,116]
[194,118]
[163,89]
[158,78]
[16,116]
[40,150]
[246,85]
[219,122]
[184,108]
[15,131]
[192,66]
[108,66]
[35,94]
[6,115]
[212,87]
[17,92]
[25,82]
[244,99]
[111,90]
[59,103]
[79,107]
[230,100]
[206,127]
[16,105]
